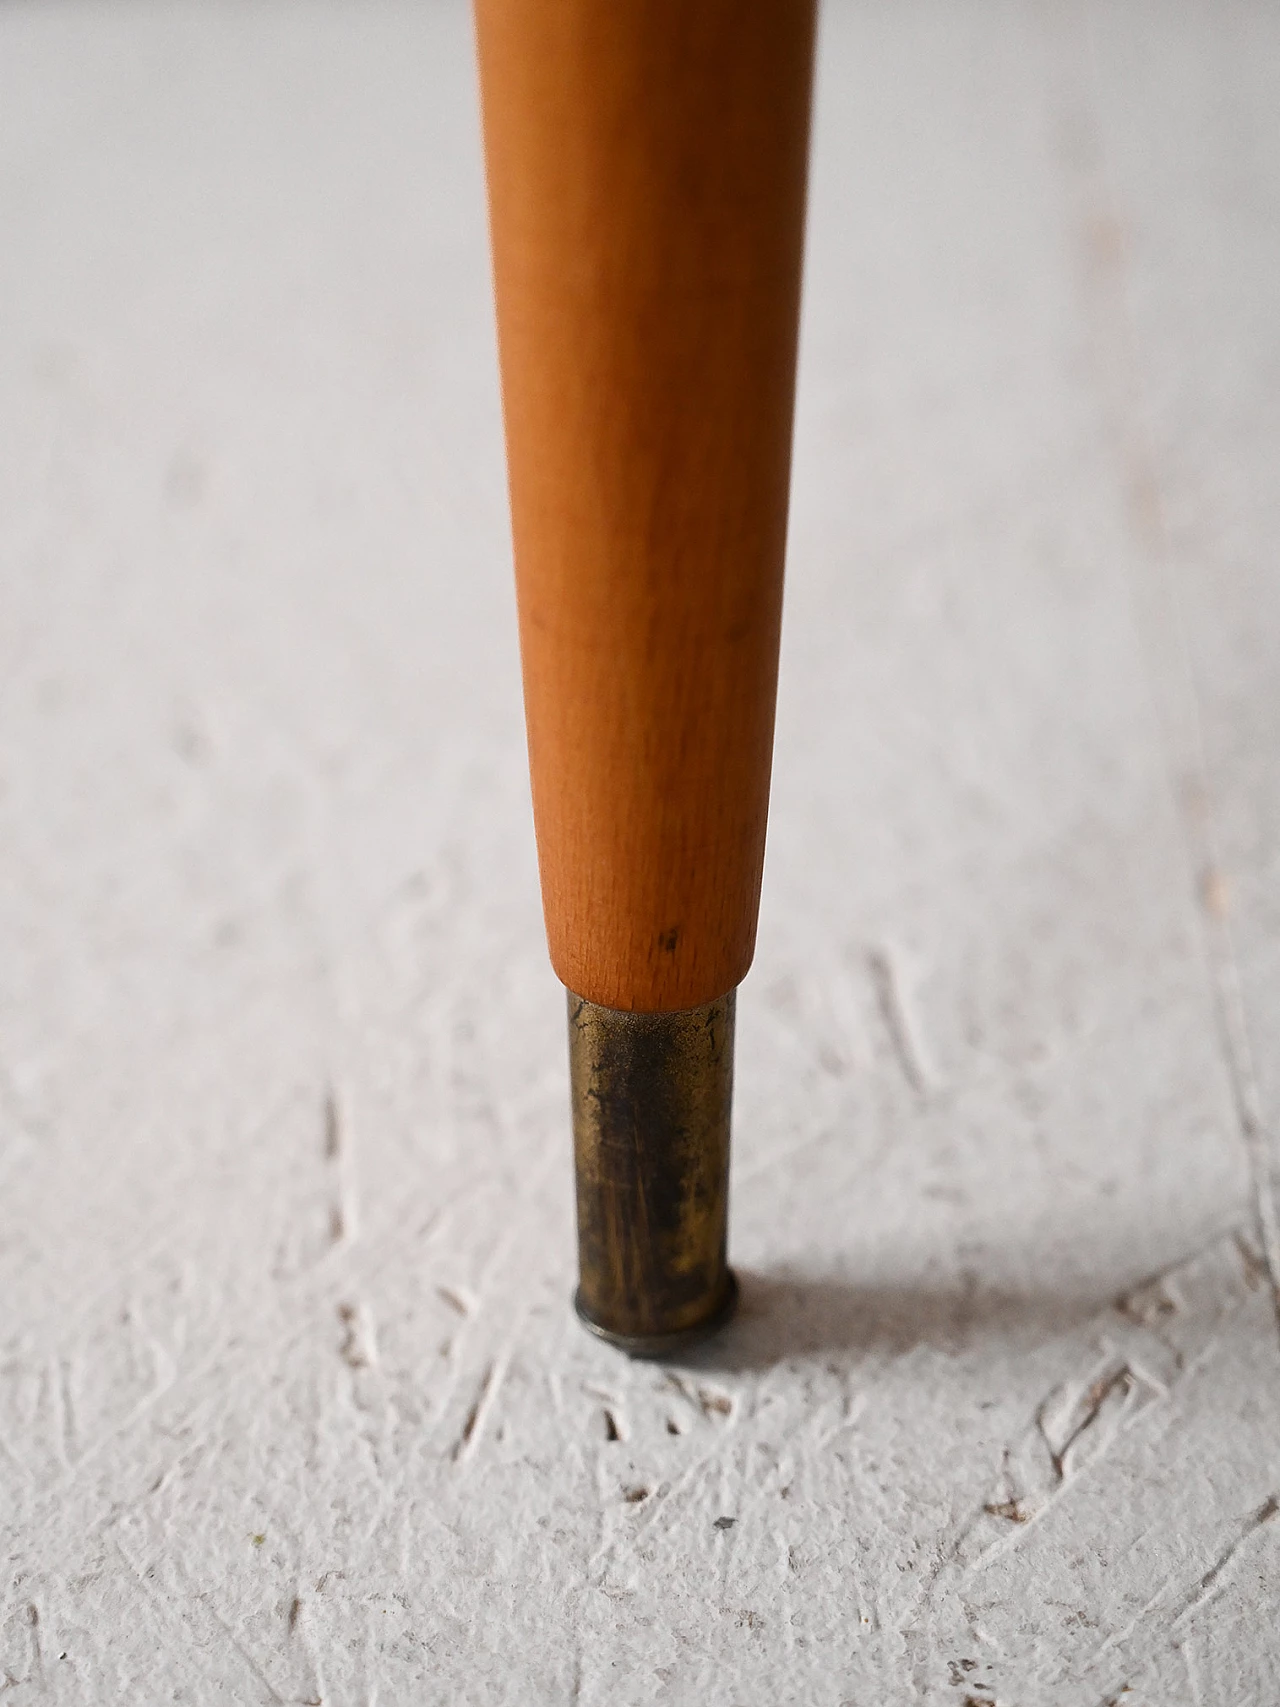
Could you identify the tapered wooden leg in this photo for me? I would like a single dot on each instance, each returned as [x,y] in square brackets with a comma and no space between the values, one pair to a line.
[646,165]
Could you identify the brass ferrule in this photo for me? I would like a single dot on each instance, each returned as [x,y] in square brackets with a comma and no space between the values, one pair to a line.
[651,1104]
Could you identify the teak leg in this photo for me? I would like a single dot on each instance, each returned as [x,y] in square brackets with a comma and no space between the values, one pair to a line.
[646,165]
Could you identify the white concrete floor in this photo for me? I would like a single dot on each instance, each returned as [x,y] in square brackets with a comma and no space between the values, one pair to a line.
[292,1406]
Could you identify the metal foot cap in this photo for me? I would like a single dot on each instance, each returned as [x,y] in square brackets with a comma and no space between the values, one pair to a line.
[664,1345]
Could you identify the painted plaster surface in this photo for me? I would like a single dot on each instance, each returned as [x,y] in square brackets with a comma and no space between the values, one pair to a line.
[292,1404]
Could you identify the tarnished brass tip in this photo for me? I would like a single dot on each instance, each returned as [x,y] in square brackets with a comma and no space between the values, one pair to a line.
[651,1101]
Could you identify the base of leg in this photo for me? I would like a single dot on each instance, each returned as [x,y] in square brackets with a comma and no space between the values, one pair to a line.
[664,1345]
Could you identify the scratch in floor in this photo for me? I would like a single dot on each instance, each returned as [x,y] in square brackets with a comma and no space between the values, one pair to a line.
[473,1428]
[848,1419]
[615,1422]
[406,1240]
[359,1347]
[710,1401]
[1118,1638]
[1091,1419]
[1191,1601]
[37,1650]
[1257,1143]
[575,1687]
[193,1609]
[1150,1339]
[664,1505]
[1187,1656]
[332,1126]
[1238,1052]
[70,1429]
[343,1221]
[297,1633]
[897,1019]
[615,1428]
[1207,1586]
[663,1499]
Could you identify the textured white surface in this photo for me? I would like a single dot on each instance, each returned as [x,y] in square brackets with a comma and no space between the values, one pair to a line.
[292,1407]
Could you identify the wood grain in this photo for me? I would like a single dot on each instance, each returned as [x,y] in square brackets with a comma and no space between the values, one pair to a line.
[646,169]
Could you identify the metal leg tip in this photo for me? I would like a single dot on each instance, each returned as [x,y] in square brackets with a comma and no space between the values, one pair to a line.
[660,1345]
